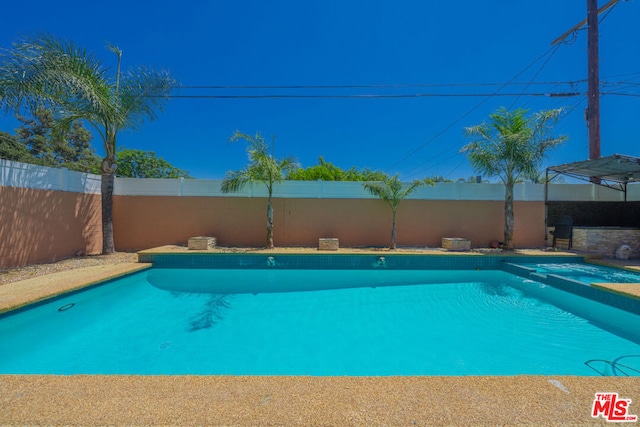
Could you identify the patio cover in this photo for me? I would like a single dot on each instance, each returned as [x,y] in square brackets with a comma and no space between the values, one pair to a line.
[614,171]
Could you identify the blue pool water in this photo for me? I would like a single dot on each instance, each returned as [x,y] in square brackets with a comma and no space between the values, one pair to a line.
[587,273]
[388,322]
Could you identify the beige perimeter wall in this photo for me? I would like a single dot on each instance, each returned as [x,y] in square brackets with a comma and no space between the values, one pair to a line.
[39,226]
[146,221]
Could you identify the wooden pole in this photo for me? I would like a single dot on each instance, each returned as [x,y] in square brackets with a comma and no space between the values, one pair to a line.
[581,24]
[593,111]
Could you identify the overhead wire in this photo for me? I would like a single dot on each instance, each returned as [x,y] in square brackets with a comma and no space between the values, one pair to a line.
[557,46]
[467,113]
[374,96]
[369,86]
[459,119]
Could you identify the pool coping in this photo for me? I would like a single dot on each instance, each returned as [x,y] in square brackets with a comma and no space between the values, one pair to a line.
[292,400]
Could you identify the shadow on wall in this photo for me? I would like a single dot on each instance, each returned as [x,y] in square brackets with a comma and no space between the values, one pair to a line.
[39,226]
[141,222]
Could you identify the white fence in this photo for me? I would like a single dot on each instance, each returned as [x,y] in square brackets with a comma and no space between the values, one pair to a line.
[354,190]
[318,190]
[14,174]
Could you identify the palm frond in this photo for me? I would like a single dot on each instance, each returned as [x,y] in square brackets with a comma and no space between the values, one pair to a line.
[392,191]
[234,180]
[513,145]
[56,73]
[263,167]
[143,94]
[378,189]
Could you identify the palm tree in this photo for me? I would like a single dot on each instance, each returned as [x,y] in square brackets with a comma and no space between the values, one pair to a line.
[512,147]
[393,192]
[262,167]
[55,73]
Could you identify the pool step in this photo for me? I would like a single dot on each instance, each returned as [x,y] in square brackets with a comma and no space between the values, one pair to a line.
[576,287]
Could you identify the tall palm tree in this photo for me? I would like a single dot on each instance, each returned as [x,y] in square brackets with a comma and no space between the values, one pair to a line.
[55,73]
[262,167]
[512,146]
[393,192]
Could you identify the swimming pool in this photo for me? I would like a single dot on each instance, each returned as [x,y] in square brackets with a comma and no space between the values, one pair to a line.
[586,273]
[342,322]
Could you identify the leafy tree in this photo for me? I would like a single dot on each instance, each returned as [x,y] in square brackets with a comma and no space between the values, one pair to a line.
[393,192]
[12,149]
[540,177]
[440,178]
[512,146]
[145,164]
[45,71]
[71,150]
[326,171]
[262,167]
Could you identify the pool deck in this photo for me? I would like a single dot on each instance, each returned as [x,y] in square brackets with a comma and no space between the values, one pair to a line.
[289,400]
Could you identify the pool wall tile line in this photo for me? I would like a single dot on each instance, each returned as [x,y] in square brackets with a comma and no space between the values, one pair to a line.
[587,291]
[341,262]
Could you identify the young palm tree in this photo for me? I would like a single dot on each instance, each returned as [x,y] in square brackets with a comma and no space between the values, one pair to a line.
[262,167]
[393,192]
[512,147]
[50,72]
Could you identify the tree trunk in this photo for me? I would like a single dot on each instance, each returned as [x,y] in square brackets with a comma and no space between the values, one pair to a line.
[393,231]
[508,216]
[270,225]
[107,181]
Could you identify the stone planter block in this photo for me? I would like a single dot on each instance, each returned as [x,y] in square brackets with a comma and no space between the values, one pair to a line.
[202,243]
[456,244]
[328,244]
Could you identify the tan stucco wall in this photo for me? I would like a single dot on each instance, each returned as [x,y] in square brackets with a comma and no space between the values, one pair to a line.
[142,222]
[39,226]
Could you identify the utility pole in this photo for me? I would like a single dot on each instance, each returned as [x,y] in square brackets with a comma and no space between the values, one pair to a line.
[593,77]
[593,110]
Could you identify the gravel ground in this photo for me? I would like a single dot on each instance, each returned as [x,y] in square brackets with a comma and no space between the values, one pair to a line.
[29,272]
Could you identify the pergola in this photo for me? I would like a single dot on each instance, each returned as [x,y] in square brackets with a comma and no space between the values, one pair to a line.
[614,172]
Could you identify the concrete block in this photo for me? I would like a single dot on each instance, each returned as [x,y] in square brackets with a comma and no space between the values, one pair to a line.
[202,243]
[456,244]
[328,244]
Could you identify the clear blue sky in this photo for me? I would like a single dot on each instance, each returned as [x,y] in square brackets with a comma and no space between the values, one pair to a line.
[341,42]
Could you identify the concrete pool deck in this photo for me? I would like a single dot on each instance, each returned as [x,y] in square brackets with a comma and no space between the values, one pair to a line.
[289,400]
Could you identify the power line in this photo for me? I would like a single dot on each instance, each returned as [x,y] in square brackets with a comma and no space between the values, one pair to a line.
[635,95]
[581,24]
[562,118]
[634,73]
[373,96]
[459,119]
[376,86]
[536,74]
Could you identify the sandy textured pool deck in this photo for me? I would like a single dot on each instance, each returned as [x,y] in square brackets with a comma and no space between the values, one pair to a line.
[288,400]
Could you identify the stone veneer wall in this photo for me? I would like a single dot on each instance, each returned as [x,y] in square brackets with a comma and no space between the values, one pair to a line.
[605,240]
